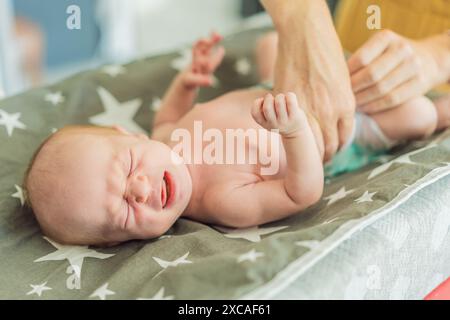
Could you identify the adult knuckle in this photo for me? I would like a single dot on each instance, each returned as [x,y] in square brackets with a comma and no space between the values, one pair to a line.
[372,75]
[379,87]
[405,48]
[386,34]
[414,63]
[392,99]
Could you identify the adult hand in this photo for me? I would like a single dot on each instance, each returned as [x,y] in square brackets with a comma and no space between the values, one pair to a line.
[311,64]
[390,69]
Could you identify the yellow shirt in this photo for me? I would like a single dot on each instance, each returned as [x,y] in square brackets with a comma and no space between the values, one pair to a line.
[413,19]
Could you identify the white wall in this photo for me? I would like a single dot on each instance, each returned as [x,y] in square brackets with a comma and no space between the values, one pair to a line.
[165,24]
[141,27]
[11,79]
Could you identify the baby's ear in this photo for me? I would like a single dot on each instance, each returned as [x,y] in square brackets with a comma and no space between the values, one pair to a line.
[121,129]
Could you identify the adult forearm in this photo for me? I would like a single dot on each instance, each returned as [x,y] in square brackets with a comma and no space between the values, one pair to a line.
[287,15]
[311,63]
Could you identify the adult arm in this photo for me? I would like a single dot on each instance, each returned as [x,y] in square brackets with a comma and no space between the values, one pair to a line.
[311,63]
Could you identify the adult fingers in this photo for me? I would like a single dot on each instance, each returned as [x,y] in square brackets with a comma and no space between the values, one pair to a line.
[394,55]
[402,73]
[370,50]
[396,97]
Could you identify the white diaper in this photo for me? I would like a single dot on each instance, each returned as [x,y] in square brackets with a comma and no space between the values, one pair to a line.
[366,133]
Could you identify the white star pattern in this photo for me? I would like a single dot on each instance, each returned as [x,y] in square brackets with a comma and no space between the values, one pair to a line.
[156,104]
[55,98]
[341,194]
[165,264]
[310,244]
[181,62]
[102,292]
[252,234]
[366,197]
[158,296]
[242,66]
[252,255]
[19,194]
[74,254]
[10,121]
[38,289]
[114,70]
[117,113]
[403,159]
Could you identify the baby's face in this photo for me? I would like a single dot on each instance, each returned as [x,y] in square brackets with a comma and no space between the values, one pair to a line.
[122,185]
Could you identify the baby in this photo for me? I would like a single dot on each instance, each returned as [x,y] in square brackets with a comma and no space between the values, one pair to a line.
[103,186]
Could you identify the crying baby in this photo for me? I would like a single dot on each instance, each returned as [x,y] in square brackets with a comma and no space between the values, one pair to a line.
[102,186]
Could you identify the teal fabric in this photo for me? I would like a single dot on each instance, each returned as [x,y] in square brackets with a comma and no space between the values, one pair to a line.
[351,158]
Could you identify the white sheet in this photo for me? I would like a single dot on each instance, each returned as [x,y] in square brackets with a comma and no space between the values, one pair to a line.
[403,255]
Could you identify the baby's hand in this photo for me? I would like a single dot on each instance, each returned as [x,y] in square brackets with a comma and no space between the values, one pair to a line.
[205,60]
[282,113]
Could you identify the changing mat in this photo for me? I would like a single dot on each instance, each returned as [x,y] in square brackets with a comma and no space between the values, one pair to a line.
[193,260]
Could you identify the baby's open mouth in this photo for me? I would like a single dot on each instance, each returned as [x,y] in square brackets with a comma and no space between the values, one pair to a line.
[165,190]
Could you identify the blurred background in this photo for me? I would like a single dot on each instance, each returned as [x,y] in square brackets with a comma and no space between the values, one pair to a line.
[37,47]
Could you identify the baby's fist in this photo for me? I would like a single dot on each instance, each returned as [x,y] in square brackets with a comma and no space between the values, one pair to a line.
[281,112]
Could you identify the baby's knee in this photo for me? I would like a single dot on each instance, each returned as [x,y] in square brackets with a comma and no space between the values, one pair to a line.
[421,115]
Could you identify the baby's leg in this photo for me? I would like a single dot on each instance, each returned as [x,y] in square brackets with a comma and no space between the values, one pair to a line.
[443,110]
[414,119]
[266,55]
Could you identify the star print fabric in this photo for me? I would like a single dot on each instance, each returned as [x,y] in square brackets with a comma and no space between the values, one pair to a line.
[203,261]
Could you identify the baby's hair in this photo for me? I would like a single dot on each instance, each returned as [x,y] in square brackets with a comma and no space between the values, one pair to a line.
[37,152]
[27,172]
[32,192]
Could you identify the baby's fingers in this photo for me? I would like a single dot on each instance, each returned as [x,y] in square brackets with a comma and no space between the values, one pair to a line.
[216,59]
[197,80]
[281,108]
[257,112]
[268,110]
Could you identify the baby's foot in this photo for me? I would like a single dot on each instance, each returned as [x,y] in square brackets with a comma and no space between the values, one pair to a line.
[443,110]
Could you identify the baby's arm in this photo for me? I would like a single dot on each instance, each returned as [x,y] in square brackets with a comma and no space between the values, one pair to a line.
[302,185]
[181,94]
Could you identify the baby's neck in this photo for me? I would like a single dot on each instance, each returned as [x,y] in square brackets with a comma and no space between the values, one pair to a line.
[193,172]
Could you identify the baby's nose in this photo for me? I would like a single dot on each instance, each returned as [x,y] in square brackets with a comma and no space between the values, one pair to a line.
[139,189]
